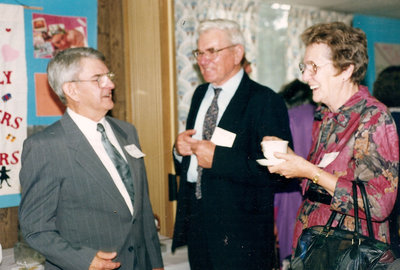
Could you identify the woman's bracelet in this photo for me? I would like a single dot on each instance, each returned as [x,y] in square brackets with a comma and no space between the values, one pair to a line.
[315,178]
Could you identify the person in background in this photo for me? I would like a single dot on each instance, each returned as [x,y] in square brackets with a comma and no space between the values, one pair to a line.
[301,108]
[225,200]
[354,136]
[387,90]
[85,202]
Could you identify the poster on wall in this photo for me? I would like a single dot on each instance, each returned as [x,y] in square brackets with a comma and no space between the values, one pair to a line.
[56,33]
[386,54]
[30,35]
[13,97]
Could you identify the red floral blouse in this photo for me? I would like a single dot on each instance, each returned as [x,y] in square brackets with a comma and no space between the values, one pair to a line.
[363,135]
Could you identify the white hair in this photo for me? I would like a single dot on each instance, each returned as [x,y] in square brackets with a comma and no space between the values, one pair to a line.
[231,28]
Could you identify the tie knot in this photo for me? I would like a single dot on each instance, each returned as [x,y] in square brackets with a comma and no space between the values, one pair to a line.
[217,91]
[100,128]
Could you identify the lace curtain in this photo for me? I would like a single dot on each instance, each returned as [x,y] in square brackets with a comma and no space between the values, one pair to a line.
[299,19]
[280,47]
[188,14]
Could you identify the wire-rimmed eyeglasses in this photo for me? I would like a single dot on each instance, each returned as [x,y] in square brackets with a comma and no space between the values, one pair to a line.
[311,66]
[101,79]
[211,53]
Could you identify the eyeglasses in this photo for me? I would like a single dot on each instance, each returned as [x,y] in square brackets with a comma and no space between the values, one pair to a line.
[210,53]
[101,79]
[312,67]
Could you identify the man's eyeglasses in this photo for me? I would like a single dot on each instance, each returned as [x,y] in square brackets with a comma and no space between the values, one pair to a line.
[101,79]
[312,67]
[210,53]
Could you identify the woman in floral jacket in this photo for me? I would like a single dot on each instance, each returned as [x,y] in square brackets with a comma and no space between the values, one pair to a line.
[354,135]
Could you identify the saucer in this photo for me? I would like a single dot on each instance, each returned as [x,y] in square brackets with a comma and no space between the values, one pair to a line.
[267,162]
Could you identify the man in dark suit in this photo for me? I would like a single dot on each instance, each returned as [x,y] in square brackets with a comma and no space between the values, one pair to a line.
[225,216]
[85,202]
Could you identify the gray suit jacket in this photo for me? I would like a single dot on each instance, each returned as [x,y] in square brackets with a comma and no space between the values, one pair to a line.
[71,208]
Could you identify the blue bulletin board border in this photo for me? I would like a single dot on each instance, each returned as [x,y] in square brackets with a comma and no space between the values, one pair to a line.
[11,200]
[79,8]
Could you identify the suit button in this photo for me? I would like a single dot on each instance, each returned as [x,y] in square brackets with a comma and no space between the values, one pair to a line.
[130,249]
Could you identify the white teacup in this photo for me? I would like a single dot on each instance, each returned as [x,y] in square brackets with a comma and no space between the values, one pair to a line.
[270,147]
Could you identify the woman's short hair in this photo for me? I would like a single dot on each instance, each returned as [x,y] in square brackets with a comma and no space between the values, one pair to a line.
[231,28]
[66,65]
[348,46]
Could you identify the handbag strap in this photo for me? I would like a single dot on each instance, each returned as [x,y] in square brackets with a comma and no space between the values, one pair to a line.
[355,203]
[366,208]
[357,222]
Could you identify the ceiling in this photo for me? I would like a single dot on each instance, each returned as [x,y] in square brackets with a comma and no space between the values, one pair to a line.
[381,8]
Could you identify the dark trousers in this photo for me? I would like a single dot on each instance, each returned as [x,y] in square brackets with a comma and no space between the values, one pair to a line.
[198,251]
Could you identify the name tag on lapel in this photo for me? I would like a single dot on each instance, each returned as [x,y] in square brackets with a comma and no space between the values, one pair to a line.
[222,137]
[134,151]
[327,159]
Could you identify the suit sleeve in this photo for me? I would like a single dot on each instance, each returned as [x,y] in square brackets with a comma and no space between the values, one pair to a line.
[266,115]
[37,212]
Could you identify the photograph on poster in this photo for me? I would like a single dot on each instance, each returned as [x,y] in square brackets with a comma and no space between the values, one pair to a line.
[56,33]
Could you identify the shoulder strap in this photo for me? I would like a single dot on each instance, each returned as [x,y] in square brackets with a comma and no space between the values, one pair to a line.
[366,208]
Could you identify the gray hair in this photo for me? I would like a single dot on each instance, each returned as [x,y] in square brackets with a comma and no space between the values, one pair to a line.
[66,65]
[231,28]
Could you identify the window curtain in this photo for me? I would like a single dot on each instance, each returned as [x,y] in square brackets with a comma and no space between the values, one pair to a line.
[188,14]
[299,19]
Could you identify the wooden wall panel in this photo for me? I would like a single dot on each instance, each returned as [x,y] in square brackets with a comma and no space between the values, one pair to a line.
[110,41]
[136,38]
[8,227]
[151,79]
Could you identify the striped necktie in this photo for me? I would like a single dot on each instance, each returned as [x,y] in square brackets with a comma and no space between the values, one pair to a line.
[119,162]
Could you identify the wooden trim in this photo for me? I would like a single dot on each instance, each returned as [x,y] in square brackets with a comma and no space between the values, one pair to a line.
[150,76]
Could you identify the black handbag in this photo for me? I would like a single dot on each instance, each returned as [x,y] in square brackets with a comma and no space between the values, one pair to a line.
[332,248]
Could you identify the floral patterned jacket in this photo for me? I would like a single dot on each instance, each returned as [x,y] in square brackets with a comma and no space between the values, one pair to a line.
[363,135]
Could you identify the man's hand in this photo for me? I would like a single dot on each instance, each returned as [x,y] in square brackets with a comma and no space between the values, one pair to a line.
[184,141]
[204,151]
[103,261]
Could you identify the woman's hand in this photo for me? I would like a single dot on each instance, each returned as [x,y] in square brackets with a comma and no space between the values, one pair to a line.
[294,166]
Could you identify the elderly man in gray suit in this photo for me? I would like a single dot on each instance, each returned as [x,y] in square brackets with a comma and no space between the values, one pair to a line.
[85,202]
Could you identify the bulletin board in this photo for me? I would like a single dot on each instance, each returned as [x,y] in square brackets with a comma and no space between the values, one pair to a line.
[49,26]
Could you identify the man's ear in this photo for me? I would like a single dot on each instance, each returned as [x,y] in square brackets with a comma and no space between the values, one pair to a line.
[239,53]
[71,91]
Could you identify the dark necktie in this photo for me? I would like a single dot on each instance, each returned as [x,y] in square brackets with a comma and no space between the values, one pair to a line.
[210,122]
[119,162]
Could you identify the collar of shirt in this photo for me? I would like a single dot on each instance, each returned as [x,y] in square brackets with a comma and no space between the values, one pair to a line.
[86,125]
[89,129]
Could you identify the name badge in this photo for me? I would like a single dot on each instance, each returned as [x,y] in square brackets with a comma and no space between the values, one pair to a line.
[134,151]
[222,137]
[327,159]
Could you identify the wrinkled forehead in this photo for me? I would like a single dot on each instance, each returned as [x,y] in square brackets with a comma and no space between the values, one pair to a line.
[213,38]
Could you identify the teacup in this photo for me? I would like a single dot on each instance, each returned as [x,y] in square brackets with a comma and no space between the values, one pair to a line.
[270,147]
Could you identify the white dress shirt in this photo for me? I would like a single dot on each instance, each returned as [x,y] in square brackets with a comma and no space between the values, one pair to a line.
[89,129]
[228,90]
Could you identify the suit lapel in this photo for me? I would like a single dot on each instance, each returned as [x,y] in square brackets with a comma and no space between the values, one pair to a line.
[90,162]
[196,102]
[236,107]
